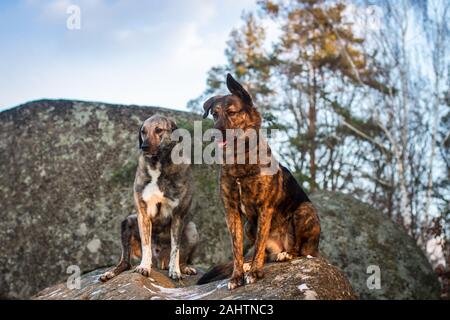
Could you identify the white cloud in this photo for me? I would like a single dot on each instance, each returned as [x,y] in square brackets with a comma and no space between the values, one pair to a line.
[153,53]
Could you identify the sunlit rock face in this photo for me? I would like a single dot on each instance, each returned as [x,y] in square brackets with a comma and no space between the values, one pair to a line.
[67,169]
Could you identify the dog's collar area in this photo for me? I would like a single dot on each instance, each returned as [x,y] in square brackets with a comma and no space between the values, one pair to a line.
[152,161]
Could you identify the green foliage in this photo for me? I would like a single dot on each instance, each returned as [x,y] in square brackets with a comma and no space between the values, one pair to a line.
[366,126]
[271,122]
[125,174]
[207,124]
[185,124]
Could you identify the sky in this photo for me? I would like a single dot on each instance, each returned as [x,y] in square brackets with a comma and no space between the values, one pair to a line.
[146,52]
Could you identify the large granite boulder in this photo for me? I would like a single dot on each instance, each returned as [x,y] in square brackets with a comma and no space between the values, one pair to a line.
[362,241]
[67,169]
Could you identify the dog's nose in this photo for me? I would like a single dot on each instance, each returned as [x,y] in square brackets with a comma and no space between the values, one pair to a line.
[145,146]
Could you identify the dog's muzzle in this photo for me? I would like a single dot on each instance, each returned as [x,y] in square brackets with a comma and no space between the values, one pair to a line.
[145,147]
[148,152]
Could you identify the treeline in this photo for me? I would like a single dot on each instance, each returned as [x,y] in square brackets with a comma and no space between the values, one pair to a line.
[361,94]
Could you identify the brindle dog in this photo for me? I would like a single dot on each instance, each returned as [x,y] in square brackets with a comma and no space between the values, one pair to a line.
[281,220]
[162,192]
[131,247]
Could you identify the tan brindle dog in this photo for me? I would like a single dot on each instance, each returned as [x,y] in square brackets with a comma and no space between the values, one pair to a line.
[281,221]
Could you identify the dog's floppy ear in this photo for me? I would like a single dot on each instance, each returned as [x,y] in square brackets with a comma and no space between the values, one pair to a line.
[208,105]
[140,136]
[173,125]
[238,90]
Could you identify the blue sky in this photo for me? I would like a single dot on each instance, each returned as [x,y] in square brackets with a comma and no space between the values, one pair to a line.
[127,51]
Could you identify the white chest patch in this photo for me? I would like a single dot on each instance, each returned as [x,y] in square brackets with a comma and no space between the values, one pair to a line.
[152,195]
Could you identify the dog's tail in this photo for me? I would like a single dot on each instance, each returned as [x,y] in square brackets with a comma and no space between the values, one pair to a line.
[219,272]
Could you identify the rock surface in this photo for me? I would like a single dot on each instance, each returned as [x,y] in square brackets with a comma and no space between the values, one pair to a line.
[359,239]
[67,169]
[300,279]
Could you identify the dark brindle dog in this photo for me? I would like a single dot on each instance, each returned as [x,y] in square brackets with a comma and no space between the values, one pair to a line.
[162,192]
[131,247]
[281,220]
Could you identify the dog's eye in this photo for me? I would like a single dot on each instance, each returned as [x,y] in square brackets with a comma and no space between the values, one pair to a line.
[158,130]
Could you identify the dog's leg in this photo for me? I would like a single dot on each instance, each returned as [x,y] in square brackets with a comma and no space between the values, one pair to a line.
[235,227]
[174,263]
[126,233]
[145,232]
[262,234]
[276,250]
[160,253]
[307,230]
[230,198]
[188,246]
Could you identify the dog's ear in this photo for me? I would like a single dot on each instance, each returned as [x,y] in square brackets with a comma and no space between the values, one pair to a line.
[208,105]
[140,136]
[173,125]
[238,90]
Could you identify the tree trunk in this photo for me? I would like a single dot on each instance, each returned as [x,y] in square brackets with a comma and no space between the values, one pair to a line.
[312,117]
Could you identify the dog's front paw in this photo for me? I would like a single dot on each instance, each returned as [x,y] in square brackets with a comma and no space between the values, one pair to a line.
[189,270]
[284,256]
[175,274]
[252,276]
[106,276]
[143,270]
[235,282]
